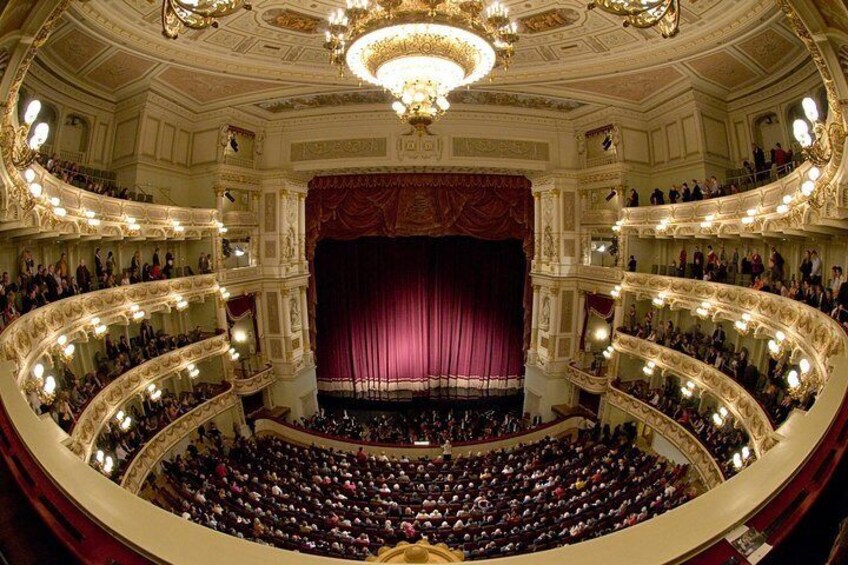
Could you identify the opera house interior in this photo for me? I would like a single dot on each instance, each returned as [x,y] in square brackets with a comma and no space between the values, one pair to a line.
[424,281]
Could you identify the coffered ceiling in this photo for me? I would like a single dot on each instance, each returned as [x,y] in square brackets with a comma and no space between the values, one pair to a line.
[271,58]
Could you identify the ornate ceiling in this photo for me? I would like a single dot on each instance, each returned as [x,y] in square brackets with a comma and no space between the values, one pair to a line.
[271,57]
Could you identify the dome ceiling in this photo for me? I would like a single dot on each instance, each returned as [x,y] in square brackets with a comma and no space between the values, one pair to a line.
[272,57]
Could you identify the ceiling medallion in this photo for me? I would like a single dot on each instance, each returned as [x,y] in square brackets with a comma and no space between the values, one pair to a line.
[421,50]
[662,14]
[196,14]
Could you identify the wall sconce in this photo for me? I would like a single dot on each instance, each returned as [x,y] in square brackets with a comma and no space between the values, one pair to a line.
[66,349]
[617,227]
[136,312]
[154,392]
[192,370]
[649,367]
[225,294]
[818,146]
[719,418]
[703,311]
[124,420]
[43,387]
[743,325]
[777,346]
[741,457]
[22,148]
[688,390]
[98,329]
[104,462]
[180,303]
[608,352]
[659,301]
[616,292]
[234,355]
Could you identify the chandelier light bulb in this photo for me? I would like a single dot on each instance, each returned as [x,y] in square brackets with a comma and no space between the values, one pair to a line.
[804,365]
[99,456]
[746,452]
[36,190]
[814,173]
[802,133]
[29,175]
[120,415]
[808,187]
[811,110]
[38,371]
[782,209]
[737,461]
[32,111]
[42,130]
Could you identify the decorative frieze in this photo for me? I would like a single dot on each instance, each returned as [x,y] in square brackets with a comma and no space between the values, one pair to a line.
[500,149]
[339,149]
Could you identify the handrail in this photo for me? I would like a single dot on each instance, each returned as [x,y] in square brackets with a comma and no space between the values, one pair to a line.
[697,453]
[156,448]
[126,386]
[733,396]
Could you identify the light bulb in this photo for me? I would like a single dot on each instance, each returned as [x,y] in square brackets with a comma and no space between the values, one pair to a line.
[804,365]
[808,187]
[29,175]
[792,379]
[814,173]
[50,385]
[399,107]
[38,371]
[42,130]
[810,109]
[32,111]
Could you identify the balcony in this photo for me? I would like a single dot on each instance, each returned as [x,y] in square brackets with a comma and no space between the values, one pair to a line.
[732,395]
[128,385]
[701,459]
[93,216]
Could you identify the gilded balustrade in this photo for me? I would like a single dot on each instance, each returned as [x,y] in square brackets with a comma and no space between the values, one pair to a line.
[254,383]
[812,333]
[732,395]
[160,444]
[695,451]
[27,338]
[132,383]
[108,216]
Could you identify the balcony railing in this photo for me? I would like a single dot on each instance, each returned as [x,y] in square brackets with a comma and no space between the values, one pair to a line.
[732,395]
[153,220]
[681,438]
[27,338]
[132,383]
[155,449]
[255,382]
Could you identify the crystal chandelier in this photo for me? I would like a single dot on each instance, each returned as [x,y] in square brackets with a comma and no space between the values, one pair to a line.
[421,50]
[196,14]
[664,14]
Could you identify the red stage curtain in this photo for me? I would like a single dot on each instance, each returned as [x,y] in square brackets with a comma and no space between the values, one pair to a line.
[600,305]
[490,207]
[419,313]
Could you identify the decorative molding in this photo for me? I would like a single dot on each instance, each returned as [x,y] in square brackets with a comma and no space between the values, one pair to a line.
[587,381]
[159,445]
[500,148]
[28,337]
[255,383]
[816,333]
[339,149]
[133,382]
[682,439]
[732,395]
